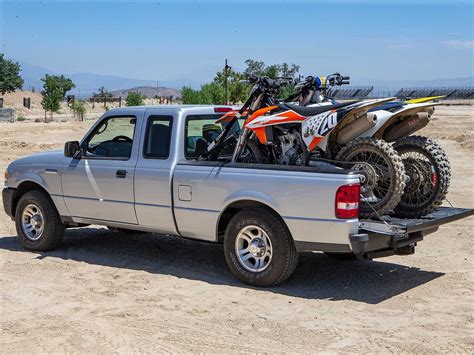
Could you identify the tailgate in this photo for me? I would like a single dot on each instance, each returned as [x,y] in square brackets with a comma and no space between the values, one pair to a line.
[394,233]
[410,225]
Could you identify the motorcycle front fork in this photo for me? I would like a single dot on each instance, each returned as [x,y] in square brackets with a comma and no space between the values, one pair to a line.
[241,143]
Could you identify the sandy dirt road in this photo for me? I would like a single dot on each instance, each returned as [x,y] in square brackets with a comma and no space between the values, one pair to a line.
[104,291]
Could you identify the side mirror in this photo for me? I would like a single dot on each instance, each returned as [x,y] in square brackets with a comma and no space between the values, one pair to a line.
[72,149]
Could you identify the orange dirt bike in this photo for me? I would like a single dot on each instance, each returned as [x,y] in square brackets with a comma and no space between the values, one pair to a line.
[282,133]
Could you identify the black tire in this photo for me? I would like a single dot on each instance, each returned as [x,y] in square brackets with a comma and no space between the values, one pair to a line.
[394,185]
[284,255]
[341,256]
[53,228]
[423,194]
[252,153]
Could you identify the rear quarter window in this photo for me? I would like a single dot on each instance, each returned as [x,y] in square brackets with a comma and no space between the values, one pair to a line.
[200,131]
[158,137]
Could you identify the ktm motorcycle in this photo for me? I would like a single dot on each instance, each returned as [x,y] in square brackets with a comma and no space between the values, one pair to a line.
[283,133]
[426,164]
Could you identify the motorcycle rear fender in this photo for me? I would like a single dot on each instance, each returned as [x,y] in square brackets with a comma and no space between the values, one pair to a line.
[406,112]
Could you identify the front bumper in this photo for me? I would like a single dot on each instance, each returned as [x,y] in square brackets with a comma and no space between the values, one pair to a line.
[7,198]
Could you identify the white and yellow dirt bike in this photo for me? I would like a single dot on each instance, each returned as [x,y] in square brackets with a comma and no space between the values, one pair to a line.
[426,164]
[281,133]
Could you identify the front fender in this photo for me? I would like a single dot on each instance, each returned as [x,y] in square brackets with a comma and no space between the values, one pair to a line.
[48,180]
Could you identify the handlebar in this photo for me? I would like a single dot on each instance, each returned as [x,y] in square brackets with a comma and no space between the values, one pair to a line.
[268,83]
[338,79]
[335,79]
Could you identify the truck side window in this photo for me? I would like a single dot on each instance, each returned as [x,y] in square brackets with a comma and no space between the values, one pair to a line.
[158,137]
[200,131]
[112,138]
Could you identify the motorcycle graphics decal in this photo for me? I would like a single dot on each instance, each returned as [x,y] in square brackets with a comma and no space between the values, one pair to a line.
[262,121]
[252,119]
[315,128]
[227,117]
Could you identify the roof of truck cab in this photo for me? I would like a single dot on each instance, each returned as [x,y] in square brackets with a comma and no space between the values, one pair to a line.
[172,107]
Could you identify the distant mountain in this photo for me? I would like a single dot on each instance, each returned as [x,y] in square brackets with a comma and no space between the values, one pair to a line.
[149,91]
[32,74]
[88,83]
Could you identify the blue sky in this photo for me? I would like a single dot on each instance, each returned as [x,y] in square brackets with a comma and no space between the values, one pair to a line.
[165,40]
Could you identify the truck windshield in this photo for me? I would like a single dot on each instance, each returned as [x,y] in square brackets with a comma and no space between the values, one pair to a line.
[201,130]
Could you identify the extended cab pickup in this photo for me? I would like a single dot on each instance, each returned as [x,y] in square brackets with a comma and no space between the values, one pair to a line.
[135,170]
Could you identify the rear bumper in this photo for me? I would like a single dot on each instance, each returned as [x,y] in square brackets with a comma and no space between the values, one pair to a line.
[380,245]
[369,245]
[7,198]
[393,236]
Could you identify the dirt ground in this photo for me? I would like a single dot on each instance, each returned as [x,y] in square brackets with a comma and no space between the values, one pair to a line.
[104,291]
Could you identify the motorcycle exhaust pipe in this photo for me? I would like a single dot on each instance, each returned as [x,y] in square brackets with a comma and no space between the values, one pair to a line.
[406,127]
[356,128]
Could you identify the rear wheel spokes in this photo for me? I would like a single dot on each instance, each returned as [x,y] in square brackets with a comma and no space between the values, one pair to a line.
[381,185]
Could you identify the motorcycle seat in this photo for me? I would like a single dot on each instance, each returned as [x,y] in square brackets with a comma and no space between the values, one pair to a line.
[315,110]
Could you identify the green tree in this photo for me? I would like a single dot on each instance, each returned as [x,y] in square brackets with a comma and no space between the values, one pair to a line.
[10,79]
[212,94]
[289,70]
[254,67]
[190,96]
[79,108]
[209,94]
[274,71]
[134,99]
[237,89]
[55,88]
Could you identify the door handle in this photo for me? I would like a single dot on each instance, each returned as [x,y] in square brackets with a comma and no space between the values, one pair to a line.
[121,174]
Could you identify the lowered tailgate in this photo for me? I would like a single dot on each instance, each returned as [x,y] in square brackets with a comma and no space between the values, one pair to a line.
[391,234]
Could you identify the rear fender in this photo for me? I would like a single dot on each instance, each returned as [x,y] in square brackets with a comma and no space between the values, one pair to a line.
[351,114]
[407,112]
[250,195]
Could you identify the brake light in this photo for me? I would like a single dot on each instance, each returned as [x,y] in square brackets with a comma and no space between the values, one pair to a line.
[347,201]
[222,109]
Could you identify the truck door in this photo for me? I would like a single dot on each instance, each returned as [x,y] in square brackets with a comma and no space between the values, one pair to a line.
[99,185]
[153,173]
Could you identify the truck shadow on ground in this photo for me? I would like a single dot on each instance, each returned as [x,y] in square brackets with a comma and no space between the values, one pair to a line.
[316,277]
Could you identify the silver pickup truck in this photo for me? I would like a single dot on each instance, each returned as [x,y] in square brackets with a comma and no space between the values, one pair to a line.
[136,170]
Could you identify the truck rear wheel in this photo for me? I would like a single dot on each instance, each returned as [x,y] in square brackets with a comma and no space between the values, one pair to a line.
[259,249]
[37,222]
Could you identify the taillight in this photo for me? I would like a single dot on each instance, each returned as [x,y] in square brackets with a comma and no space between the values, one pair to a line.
[347,201]
[222,109]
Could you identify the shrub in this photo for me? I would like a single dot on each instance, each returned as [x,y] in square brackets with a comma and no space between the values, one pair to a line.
[134,99]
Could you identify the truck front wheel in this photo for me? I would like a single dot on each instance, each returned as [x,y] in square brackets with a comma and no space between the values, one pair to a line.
[37,222]
[259,249]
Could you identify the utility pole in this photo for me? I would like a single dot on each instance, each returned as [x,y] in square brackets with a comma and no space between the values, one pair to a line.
[226,72]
